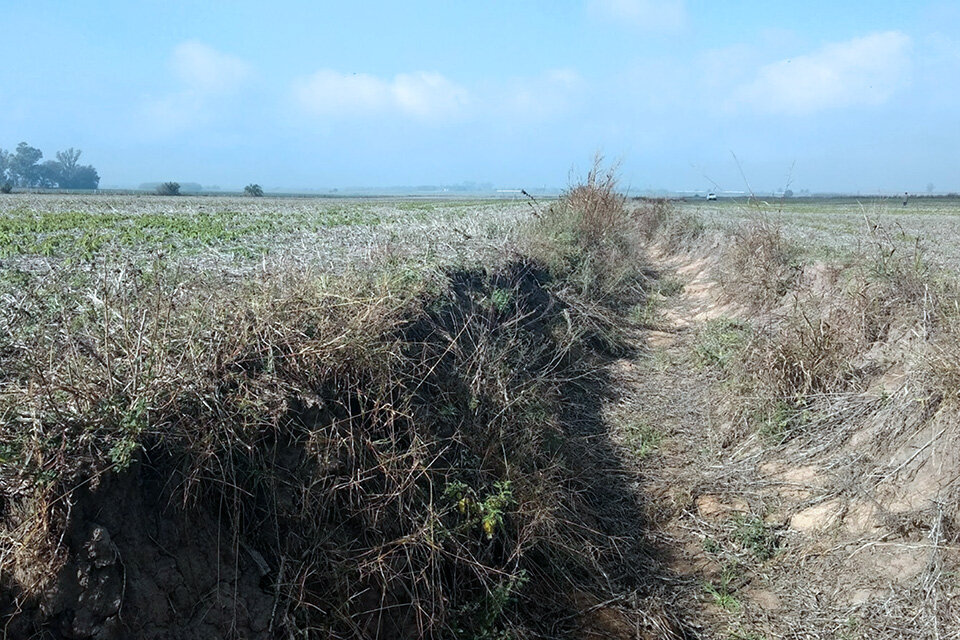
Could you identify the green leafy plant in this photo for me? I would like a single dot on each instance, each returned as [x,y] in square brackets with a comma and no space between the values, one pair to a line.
[479,619]
[646,313]
[122,453]
[752,534]
[722,592]
[501,299]
[486,513]
[778,421]
[643,439]
[669,286]
[721,341]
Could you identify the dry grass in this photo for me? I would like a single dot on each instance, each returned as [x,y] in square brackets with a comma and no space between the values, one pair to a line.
[590,238]
[377,407]
[817,327]
[420,449]
[759,265]
[384,448]
[835,400]
[661,223]
[832,229]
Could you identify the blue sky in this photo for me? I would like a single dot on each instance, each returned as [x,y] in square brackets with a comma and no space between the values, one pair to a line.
[816,95]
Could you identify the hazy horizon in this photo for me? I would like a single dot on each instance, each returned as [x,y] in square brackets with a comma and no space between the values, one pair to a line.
[688,95]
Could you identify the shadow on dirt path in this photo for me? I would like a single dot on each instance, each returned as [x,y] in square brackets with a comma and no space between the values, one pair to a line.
[614,425]
[635,565]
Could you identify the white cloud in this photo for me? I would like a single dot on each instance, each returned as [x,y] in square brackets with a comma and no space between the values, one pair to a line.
[427,94]
[329,92]
[544,96]
[421,94]
[861,71]
[205,78]
[651,15]
[204,69]
[174,112]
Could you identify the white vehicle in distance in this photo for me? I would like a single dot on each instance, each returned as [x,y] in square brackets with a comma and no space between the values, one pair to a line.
[711,196]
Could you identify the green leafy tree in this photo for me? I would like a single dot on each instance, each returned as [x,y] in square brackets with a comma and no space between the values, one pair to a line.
[70,174]
[49,175]
[68,159]
[83,177]
[169,189]
[24,170]
[5,180]
[254,190]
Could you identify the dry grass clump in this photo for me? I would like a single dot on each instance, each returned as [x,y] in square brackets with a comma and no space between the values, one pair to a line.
[853,364]
[653,215]
[940,361]
[759,265]
[385,450]
[805,354]
[660,222]
[904,284]
[941,364]
[592,242]
[819,328]
[153,369]
[589,238]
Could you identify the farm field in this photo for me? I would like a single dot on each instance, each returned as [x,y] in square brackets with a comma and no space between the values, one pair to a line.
[590,320]
[234,232]
[830,228]
[589,416]
[237,232]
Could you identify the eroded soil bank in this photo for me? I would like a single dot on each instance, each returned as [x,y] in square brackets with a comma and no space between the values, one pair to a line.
[834,522]
[450,474]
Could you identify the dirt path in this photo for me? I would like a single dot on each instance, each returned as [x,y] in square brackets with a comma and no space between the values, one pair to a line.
[768,540]
[663,422]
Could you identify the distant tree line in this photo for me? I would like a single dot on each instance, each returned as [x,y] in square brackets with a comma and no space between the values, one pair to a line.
[22,168]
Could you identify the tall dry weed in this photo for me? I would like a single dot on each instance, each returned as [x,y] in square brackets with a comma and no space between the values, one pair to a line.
[759,265]
[589,238]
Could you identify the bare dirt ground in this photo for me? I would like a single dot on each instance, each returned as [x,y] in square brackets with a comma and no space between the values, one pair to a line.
[840,535]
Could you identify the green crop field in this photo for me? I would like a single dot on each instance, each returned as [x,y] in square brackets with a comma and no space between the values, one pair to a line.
[232,230]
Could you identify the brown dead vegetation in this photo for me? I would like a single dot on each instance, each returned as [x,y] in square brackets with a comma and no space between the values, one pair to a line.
[492,453]
[829,436]
[290,454]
